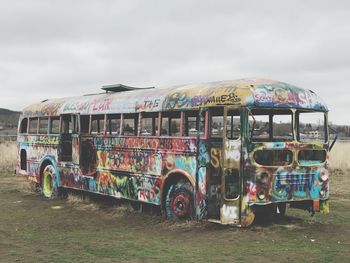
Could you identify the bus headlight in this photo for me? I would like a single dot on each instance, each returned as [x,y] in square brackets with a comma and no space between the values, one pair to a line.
[324,175]
[261,195]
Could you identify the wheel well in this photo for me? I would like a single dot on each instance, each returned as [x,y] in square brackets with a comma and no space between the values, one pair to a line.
[169,181]
[42,167]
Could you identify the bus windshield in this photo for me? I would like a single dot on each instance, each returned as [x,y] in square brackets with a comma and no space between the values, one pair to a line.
[311,127]
[271,125]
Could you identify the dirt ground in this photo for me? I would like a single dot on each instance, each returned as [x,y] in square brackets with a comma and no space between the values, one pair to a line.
[78,229]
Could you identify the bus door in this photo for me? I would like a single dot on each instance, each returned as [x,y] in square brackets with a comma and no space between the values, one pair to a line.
[70,138]
[231,182]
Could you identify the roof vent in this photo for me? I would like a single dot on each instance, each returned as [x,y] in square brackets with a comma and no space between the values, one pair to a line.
[121,88]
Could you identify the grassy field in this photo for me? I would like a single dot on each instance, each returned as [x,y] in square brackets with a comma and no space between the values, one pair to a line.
[76,229]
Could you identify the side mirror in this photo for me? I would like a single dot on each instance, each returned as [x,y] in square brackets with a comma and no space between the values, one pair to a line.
[335,137]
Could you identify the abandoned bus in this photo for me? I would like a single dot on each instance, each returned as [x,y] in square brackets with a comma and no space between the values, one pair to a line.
[223,151]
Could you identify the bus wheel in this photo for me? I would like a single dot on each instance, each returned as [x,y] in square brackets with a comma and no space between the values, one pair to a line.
[179,201]
[49,187]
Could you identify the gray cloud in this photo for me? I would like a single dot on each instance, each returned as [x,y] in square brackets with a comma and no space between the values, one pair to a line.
[64,48]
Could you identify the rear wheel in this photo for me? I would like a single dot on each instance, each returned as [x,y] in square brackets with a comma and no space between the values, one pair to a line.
[179,201]
[48,183]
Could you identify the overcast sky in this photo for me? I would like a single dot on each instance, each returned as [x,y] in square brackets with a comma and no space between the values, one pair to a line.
[52,49]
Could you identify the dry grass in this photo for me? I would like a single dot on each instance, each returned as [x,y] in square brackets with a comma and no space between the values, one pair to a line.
[8,156]
[339,156]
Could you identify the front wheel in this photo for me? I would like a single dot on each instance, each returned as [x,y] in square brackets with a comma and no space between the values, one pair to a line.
[179,201]
[48,183]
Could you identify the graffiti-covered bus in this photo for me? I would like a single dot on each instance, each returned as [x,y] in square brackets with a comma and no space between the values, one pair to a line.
[221,151]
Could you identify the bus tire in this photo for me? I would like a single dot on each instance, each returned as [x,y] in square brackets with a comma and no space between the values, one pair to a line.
[179,201]
[48,184]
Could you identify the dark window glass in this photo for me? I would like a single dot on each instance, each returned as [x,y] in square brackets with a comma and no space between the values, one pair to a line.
[231,183]
[84,123]
[24,126]
[311,157]
[273,157]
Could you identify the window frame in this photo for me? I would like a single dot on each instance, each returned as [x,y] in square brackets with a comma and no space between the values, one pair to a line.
[51,119]
[271,112]
[129,116]
[100,128]
[47,126]
[37,125]
[21,126]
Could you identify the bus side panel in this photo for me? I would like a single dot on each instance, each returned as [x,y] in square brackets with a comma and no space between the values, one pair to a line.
[130,167]
[36,148]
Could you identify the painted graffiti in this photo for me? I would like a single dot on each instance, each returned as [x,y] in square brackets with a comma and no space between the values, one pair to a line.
[179,100]
[147,105]
[44,139]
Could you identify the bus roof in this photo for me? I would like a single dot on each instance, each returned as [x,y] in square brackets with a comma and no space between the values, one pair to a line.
[243,92]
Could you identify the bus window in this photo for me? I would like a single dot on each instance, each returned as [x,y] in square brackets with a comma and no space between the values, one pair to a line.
[55,125]
[33,125]
[171,123]
[43,125]
[24,126]
[113,124]
[130,124]
[311,127]
[233,125]
[149,124]
[282,129]
[194,125]
[165,126]
[216,123]
[84,123]
[261,126]
[97,123]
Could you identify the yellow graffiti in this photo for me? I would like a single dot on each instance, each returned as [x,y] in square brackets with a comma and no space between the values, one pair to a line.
[215,154]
